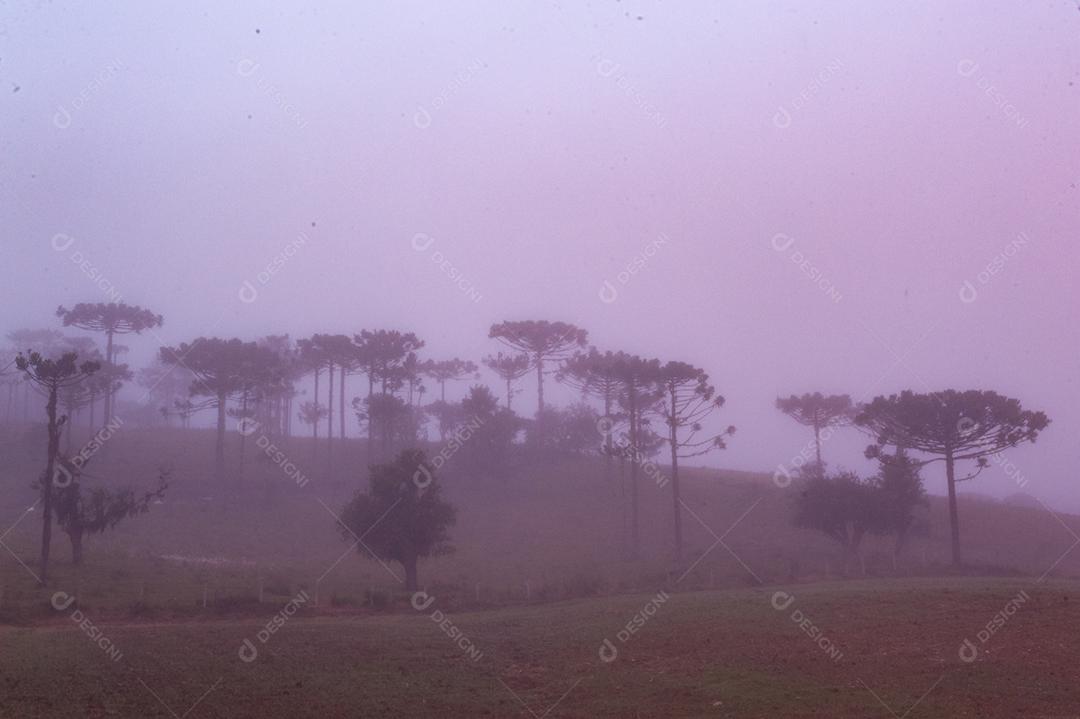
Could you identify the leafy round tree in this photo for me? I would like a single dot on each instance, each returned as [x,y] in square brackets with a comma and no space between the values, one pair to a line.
[400,519]
[951,426]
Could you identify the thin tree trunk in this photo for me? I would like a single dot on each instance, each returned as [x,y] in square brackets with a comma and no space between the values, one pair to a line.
[243,437]
[370,419]
[817,448]
[341,401]
[47,484]
[954,515]
[315,422]
[219,447]
[635,544]
[330,419]
[330,403]
[108,361]
[607,439]
[411,583]
[76,536]
[673,440]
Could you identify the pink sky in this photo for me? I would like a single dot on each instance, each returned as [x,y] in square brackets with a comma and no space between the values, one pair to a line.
[543,146]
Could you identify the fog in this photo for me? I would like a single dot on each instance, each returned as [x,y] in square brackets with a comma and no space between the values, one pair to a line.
[843,197]
[563,140]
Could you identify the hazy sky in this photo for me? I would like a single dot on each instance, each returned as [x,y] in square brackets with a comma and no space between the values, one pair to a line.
[812,184]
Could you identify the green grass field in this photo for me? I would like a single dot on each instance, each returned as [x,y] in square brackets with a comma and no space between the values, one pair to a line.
[538,582]
[701,654]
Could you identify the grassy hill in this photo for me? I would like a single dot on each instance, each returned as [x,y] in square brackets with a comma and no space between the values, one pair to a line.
[544,533]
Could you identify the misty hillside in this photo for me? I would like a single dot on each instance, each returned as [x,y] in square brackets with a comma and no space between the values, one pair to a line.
[540,534]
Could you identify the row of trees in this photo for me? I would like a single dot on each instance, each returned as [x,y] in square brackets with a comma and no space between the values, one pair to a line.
[949,426]
[646,405]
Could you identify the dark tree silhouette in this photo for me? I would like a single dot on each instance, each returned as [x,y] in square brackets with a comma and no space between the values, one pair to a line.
[952,426]
[543,342]
[52,376]
[399,518]
[818,412]
[900,492]
[509,367]
[102,509]
[112,319]
[688,400]
[842,507]
[485,433]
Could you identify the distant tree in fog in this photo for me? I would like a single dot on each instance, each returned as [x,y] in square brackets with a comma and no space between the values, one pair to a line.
[444,371]
[952,426]
[510,368]
[311,413]
[687,400]
[312,356]
[594,374]
[543,341]
[275,409]
[408,375]
[402,516]
[574,429]
[223,369]
[818,412]
[53,376]
[396,423]
[638,395]
[334,353]
[899,490]
[843,507]
[48,343]
[112,319]
[484,432]
[164,384]
[378,354]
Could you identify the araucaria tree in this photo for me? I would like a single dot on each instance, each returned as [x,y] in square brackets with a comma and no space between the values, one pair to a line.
[817,411]
[952,426]
[638,395]
[595,374]
[399,518]
[445,370]
[53,376]
[688,400]
[544,342]
[111,318]
[222,369]
[509,367]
